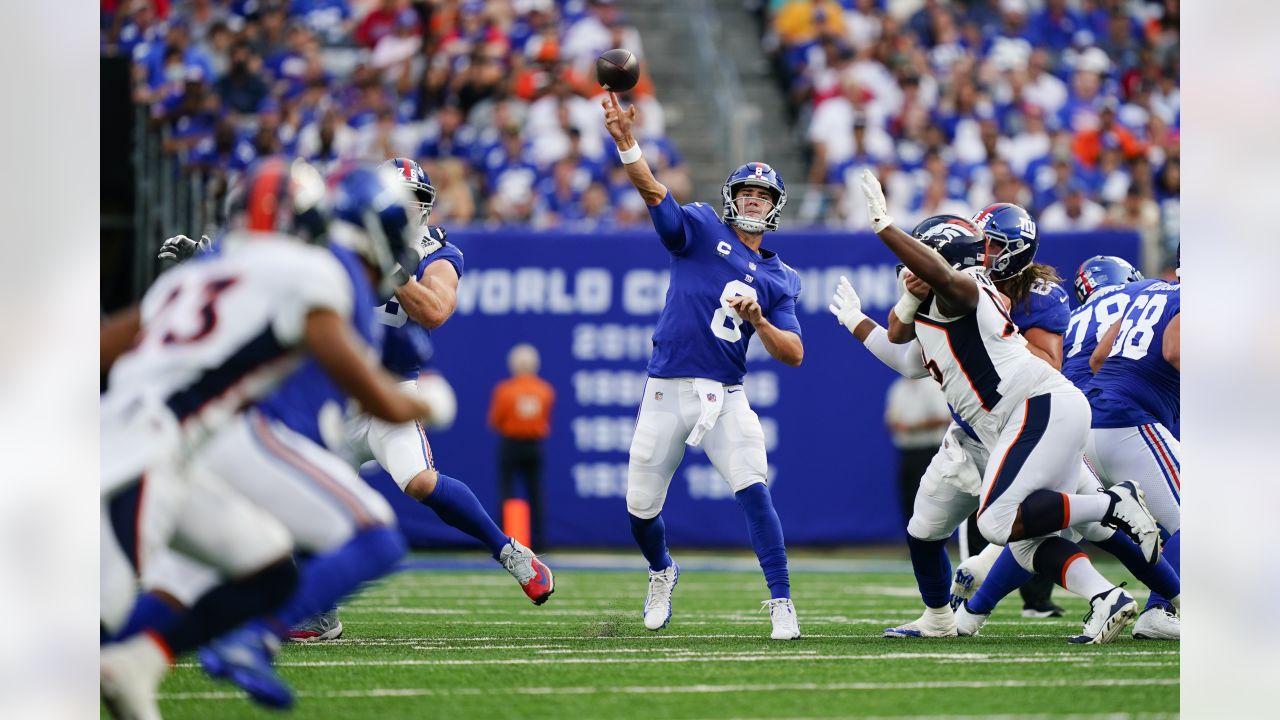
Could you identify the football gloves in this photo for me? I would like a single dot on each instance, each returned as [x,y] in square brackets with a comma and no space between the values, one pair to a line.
[181,248]
[877,206]
[846,305]
[432,240]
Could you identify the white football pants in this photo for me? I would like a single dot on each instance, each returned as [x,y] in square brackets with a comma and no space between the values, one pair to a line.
[669,411]
[1147,455]
[401,449]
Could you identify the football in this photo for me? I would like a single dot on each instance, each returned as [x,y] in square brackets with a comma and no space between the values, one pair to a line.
[617,70]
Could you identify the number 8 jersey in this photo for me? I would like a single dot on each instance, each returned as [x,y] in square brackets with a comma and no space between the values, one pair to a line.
[698,334]
[1136,385]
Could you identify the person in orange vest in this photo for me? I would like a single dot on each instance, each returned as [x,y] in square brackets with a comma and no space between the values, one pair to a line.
[520,413]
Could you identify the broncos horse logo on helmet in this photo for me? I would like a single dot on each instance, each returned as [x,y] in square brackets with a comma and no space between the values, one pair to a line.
[960,242]
[1015,230]
[760,175]
[415,178]
[1102,271]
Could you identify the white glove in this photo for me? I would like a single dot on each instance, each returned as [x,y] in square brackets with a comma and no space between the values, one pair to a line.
[877,206]
[846,305]
[180,248]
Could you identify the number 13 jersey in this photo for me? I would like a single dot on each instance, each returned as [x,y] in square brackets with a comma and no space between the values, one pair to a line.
[698,335]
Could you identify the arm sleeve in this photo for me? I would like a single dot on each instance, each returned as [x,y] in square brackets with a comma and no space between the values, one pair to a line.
[670,222]
[905,359]
[783,315]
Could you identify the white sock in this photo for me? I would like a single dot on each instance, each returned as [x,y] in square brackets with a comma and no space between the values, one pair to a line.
[1083,509]
[1081,578]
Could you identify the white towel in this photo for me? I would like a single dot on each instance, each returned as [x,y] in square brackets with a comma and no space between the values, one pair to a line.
[956,469]
[710,400]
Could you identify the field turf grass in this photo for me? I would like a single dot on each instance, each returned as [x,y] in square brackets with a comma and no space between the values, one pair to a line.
[452,637]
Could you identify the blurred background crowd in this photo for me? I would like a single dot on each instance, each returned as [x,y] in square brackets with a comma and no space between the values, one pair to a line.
[1067,107]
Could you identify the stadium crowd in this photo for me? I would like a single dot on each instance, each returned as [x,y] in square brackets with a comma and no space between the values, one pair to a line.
[1069,108]
[493,98]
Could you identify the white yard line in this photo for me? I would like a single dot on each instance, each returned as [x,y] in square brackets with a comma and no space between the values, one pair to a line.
[699,689]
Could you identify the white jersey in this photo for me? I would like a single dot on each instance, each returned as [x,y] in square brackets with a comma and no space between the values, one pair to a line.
[221,331]
[980,359]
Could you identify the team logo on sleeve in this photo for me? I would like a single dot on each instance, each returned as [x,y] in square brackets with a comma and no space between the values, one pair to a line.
[724,249]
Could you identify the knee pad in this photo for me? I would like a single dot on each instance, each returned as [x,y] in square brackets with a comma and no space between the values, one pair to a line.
[996,525]
[1043,512]
[644,502]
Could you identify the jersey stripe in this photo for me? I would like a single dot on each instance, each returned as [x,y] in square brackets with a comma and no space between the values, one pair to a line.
[1162,457]
[1035,421]
[964,339]
[328,486]
[219,381]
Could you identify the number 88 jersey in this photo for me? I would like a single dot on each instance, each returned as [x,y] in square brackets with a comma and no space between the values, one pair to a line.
[1136,385]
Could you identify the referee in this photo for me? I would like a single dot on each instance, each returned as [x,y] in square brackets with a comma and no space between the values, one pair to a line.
[520,413]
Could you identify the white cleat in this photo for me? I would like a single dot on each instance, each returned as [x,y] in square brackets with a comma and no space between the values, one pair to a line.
[1129,514]
[934,623]
[1109,613]
[1157,623]
[783,615]
[971,573]
[969,624]
[657,603]
[131,672]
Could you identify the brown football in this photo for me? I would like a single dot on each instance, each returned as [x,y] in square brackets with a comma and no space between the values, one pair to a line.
[617,70]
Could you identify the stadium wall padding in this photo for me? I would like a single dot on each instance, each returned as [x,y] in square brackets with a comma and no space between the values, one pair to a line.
[589,302]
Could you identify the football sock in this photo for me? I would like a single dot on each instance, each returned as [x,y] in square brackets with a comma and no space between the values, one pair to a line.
[651,536]
[1044,511]
[766,537]
[1067,564]
[149,612]
[229,605]
[454,502]
[1170,554]
[1161,577]
[327,578]
[933,570]
[1005,576]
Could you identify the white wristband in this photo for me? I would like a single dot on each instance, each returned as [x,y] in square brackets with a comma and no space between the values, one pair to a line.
[630,155]
[906,307]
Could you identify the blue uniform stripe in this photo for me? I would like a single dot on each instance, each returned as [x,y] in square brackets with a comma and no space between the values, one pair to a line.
[1160,461]
[259,351]
[1034,424]
[965,340]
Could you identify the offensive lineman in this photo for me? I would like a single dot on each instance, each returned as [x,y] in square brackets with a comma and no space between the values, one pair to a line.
[724,288]
[1025,413]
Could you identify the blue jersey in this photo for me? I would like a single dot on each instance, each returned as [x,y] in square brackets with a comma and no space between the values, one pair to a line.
[406,341]
[1089,323]
[1136,385]
[696,336]
[299,403]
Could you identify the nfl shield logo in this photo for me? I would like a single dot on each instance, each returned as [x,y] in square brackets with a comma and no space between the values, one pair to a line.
[711,397]
[657,395]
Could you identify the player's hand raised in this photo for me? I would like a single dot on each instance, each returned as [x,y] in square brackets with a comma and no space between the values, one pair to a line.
[618,121]
[877,206]
[747,309]
[846,305]
[180,248]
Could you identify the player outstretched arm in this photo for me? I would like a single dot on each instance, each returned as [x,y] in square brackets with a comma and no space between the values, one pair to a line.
[342,356]
[957,292]
[1103,350]
[1172,342]
[905,359]
[117,334]
[901,323]
[618,123]
[431,300]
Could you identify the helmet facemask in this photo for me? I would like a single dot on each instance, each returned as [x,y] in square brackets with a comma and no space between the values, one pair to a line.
[754,226]
[1007,258]
[424,199]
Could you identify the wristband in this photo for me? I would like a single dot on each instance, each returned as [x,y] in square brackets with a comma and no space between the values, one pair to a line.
[906,307]
[630,155]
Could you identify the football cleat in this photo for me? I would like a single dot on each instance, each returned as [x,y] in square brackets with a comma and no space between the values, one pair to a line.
[1041,610]
[1129,514]
[969,624]
[970,575]
[657,602]
[1158,623]
[318,628]
[243,657]
[1109,613]
[534,576]
[934,623]
[783,615]
[130,673]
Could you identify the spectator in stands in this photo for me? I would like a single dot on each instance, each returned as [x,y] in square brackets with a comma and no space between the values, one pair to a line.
[242,88]
[1090,140]
[328,140]
[328,19]
[520,413]
[454,202]
[1074,211]
[559,196]
[802,21]
[380,22]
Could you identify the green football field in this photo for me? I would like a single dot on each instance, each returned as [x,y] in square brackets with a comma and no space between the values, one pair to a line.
[452,637]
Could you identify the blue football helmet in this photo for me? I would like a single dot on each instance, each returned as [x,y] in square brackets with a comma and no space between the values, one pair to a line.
[960,242]
[760,175]
[279,195]
[415,178]
[1101,271]
[1015,230]
[373,217]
